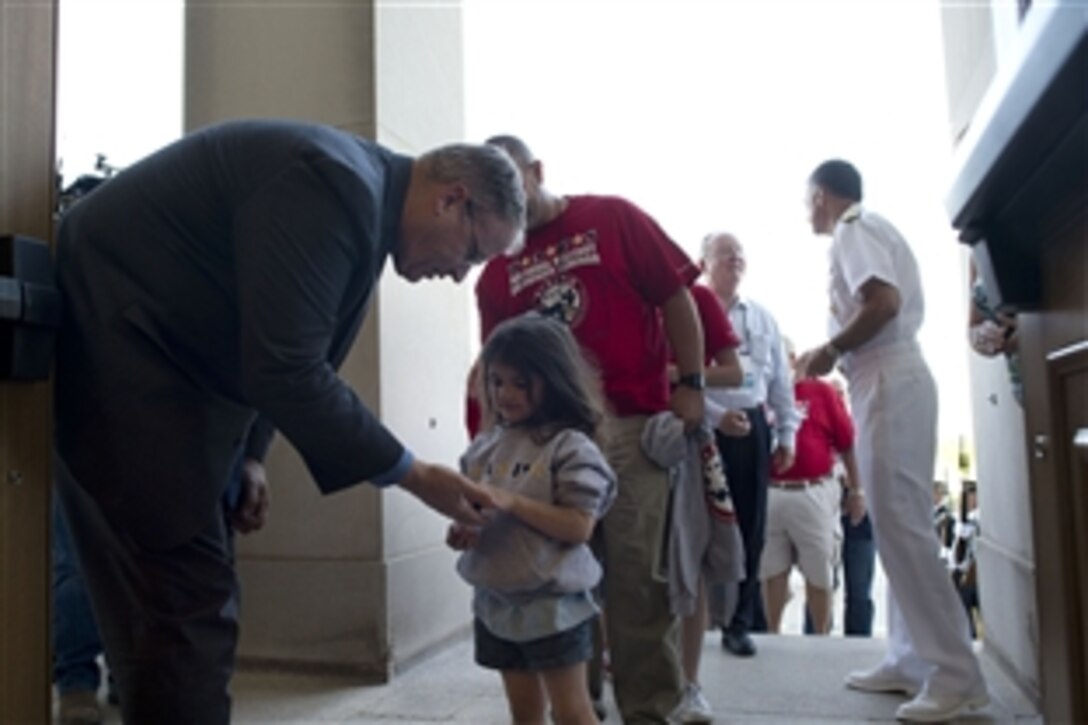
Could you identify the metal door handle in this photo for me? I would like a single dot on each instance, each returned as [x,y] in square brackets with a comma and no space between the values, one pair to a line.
[1039,446]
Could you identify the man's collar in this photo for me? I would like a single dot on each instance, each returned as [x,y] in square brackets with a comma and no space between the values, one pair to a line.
[851,214]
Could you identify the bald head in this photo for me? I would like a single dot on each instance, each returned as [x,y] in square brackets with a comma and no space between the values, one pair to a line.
[518,149]
[541,205]
[722,260]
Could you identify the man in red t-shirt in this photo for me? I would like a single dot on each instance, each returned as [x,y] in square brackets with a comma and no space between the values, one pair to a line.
[606,268]
[803,504]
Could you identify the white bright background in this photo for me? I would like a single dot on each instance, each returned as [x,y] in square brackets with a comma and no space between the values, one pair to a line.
[711,115]
[119,80]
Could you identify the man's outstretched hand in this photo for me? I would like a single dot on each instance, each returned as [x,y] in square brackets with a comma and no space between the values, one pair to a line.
[448,492]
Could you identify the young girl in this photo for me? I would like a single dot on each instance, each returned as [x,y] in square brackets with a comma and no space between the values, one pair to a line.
[530,565]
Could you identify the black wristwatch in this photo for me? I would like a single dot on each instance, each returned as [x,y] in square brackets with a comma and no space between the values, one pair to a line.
[695,381]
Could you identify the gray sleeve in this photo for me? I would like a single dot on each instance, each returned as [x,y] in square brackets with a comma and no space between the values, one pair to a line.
[780,391]
[581,476]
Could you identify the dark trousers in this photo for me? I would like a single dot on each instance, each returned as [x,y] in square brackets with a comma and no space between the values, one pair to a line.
[748,468]
[76,643]
[858,564]
[168,617]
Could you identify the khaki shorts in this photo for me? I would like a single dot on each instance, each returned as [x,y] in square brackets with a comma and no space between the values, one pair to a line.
[803,528]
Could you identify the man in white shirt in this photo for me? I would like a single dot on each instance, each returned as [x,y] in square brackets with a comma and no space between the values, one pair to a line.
[876,310]
[744,436]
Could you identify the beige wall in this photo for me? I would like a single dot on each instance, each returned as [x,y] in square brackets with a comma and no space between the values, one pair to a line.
[361,579]
[1006,558]
[424,328]
[312,61]
[970,60]
[975,37]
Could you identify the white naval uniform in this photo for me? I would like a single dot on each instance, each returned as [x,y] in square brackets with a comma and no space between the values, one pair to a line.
[894,402]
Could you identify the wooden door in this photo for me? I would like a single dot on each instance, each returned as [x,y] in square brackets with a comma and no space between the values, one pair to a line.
[27,91]
[1056,371]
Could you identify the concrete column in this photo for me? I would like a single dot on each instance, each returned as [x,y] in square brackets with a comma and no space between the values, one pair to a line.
[360,580]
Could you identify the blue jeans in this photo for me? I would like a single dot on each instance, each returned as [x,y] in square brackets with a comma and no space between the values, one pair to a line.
[858,564]
[76,643]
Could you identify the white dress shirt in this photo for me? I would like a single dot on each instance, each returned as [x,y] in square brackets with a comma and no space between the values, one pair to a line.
[767,376]
[866,246]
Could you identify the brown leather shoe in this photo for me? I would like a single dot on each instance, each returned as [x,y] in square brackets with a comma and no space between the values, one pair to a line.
[80,707]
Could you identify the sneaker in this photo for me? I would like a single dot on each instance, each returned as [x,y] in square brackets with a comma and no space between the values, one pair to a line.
[739,643]
[79,707]
[693,708]
[928,707]
[882,678]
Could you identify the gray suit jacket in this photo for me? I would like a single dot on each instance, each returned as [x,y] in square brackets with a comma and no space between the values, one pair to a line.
[224,276]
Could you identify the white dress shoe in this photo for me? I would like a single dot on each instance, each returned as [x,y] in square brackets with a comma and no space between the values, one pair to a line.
[882,678]
[928,707]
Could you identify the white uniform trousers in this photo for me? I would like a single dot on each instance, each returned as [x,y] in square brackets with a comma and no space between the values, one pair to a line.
[894,400]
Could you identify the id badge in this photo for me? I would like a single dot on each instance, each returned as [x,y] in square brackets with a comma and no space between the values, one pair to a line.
[748,368]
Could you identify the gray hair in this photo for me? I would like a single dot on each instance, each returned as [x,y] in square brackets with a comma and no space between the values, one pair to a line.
[709,239]
[492,177]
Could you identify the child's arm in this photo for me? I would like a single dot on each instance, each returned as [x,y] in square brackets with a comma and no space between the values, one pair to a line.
[563,523]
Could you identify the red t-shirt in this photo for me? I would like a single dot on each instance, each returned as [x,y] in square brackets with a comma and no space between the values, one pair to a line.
[604,267]
[717,330]
[825,429]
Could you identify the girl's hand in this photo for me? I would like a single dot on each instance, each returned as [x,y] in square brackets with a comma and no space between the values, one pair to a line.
[460,537]
[502,499]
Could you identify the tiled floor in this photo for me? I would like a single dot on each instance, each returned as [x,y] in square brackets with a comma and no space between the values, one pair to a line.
[793,680]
